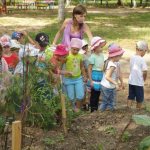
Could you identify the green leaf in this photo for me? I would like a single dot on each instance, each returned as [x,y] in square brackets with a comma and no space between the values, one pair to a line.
[141,120]
[145,144]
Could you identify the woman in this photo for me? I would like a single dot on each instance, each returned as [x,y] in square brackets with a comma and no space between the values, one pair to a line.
[74,28]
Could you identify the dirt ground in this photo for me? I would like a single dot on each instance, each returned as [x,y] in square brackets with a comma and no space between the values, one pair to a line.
[96,130]
[92,131]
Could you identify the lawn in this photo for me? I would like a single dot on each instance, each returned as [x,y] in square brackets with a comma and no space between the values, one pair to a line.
[124,26]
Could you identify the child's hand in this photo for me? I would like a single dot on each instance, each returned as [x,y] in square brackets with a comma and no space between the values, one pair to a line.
[117,87]
[24,33]
[91,83]
[122,86]
[69,73]
[85,79]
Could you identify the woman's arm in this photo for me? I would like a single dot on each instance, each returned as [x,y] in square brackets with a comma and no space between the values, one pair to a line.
[60,31]
[88,31]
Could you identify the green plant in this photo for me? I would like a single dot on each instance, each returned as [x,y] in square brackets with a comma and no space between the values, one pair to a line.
[53,140]
[145,121]
[126,136]
[141,119]
[2,124]
[34,92]
[100,147]
[145,144]
[110,130]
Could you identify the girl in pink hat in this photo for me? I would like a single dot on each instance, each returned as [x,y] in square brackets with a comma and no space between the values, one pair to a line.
[95,70]
[10,57]
[109,83]
[74,83]
[58,59]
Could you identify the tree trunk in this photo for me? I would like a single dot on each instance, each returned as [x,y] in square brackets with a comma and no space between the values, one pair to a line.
[61,10]
[134,3]
[4,7]
[120,3]
[68,3]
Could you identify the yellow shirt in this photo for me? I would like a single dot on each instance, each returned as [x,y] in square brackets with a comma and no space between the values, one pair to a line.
[73,64]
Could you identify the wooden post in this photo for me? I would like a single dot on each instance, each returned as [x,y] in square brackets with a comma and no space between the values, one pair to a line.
[16,135]
[64,116]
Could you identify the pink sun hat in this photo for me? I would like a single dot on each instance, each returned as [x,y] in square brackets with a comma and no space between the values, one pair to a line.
[61,50]
[97,41]
[5,41]
[76,43]
[114,50]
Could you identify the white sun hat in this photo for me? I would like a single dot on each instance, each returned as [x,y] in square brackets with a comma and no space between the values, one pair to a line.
[142,45]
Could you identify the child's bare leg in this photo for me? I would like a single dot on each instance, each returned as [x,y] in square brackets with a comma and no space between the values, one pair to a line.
[129,103]
[138,105]
[78,104]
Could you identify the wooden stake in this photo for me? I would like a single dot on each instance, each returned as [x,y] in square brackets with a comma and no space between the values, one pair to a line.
[64,116]
[16,135]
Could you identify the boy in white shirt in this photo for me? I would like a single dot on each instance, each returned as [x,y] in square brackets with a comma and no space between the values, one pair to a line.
[138,74]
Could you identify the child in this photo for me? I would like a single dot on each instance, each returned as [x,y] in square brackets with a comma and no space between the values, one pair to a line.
[11,58]
[95,70]
[42,41]
[86,54]
[138,74]
[111,75]
[58,59]
[20,37]
[4,75]
[74,83]
[3,63]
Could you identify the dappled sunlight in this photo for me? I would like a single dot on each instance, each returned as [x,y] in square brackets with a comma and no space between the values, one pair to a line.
[9,24]
[11,21]
[133,28]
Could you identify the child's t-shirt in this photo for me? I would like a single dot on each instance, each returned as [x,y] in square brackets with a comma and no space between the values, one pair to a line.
[114,76]
[12,61]
[73,64]
[137,66]
[97,60]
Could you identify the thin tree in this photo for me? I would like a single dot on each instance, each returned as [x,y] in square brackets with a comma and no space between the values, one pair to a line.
[120,3]
[4,7]
[61,10]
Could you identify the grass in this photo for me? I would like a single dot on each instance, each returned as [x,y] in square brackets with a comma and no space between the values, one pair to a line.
[124,27]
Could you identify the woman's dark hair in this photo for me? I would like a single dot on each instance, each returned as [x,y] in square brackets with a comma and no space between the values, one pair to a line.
[79,10]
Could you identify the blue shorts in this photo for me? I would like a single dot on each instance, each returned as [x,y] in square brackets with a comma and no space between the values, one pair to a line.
[136,93]
[96,77]
[74,88]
